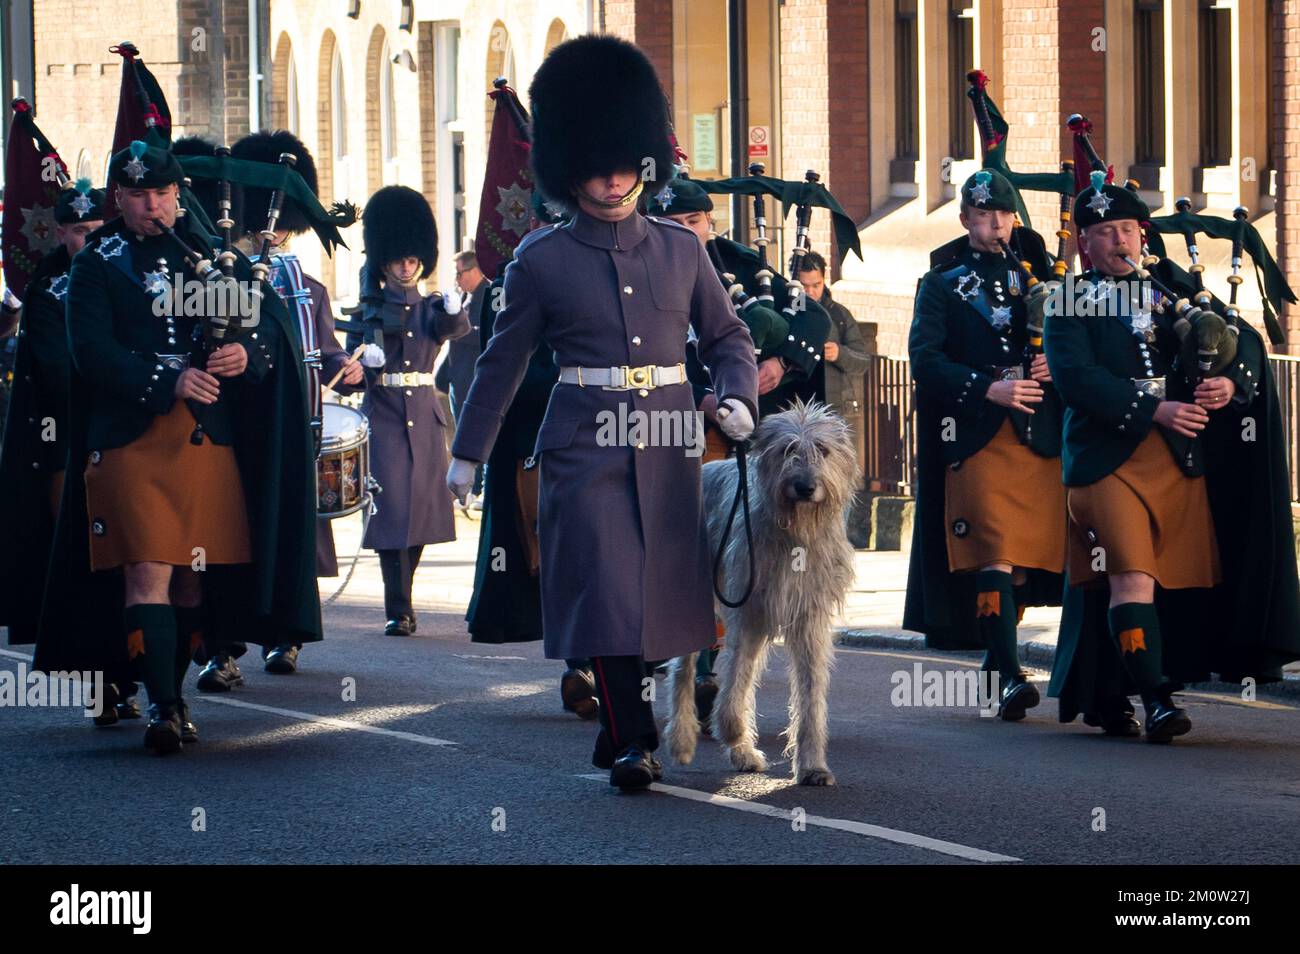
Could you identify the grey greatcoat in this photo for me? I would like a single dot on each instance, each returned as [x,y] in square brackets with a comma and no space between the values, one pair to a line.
[408,443]
[625,564]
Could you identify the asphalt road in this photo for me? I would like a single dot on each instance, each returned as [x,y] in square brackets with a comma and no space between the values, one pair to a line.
[458,753]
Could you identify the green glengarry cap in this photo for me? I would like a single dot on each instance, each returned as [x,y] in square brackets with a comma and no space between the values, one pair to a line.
[1102,202]
[679,196]
[79,203]
[141,166]
[989,189]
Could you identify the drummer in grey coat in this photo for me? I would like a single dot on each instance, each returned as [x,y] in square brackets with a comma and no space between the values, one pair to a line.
[625,563]
[408,443]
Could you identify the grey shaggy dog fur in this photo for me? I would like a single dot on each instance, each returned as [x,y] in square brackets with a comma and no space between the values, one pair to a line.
[802,479]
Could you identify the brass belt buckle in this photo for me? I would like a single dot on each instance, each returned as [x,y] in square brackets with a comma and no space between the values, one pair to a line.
[1010,373]
[410,379]
[638,377]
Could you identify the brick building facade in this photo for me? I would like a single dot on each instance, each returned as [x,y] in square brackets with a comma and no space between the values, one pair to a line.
[1190,96]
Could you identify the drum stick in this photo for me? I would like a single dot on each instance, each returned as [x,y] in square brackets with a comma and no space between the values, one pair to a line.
[339,373]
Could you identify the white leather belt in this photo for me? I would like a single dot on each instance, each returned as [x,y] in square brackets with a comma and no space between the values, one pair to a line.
[407,379]
[625,378]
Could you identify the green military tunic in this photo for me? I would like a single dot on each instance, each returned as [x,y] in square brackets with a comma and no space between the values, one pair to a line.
[1248,624]
[960,334]
[118,386]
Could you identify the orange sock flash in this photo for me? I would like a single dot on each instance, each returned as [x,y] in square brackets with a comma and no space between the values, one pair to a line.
[989,603]
[1131,640]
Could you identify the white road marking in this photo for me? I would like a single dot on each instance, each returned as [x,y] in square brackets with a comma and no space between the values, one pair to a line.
[838,824]
[329,720]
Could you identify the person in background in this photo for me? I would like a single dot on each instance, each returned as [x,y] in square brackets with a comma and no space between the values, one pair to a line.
[845,352]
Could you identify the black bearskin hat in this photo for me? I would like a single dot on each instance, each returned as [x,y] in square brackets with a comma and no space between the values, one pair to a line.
[598,107]
[266,146]
[205,190]
[398,222]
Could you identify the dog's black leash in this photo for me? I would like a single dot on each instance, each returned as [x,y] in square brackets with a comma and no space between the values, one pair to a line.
[742,493]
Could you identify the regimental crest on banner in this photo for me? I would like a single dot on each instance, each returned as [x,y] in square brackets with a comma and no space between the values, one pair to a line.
[515,208]
[38,229]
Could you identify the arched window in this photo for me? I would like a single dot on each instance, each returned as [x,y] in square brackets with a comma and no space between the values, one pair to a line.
[291,94]
[387,107]
[555,35]
[283,112]
[500,62]
[338,105]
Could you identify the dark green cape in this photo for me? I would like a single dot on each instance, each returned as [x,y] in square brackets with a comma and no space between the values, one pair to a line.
[26,526]
[266,601]
[507,603]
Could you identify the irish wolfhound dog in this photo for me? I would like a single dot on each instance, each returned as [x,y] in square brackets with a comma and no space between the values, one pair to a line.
[802,477]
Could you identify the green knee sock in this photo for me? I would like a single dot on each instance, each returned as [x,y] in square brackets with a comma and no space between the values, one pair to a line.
[1135,627]
[151,644]
[189,635]
[995,609]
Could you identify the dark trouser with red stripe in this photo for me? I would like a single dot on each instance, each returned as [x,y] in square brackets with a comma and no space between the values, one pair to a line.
[625,686]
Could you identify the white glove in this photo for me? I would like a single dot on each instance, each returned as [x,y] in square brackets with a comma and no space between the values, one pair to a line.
[451,303]
[460,478]
[735,420]
[373,356]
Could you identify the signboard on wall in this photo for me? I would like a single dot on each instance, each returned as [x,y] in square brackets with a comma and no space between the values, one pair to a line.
[704,141]
[759,137]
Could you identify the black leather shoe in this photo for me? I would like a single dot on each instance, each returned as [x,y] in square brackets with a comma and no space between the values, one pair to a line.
[633,770]
[282,660]
[1018,696]
[220,674]
[1119,724]
[1165,721]
[706,690]
[410,621]
[163,734]
[128,708]
[578,693]
[109,714]
[189,731]
[398,627]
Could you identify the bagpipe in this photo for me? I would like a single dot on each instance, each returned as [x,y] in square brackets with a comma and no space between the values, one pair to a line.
[1209,339]
[340,434]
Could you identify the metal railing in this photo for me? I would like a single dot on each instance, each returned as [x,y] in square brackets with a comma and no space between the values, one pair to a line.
[889,426]
[889,423]
[1286,377]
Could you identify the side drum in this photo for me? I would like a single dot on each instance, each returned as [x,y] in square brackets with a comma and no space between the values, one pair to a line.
[343,467]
